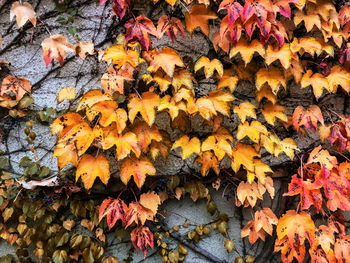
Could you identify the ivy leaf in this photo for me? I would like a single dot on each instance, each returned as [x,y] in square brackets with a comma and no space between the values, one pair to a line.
[138,168]
[114,209]
[110,113]
[89,168]
[119,56]
[209,66]
[18,86]
[120,7]
[141,237]
[317,81]
[296,227]
[170,26]
[245,109]
[310,193]
[66,93]
[248,193]
[272,112]
[247,49]
[208,161]
[243,155]
[307,117]
[165,59]
[144,105]
[188,146]
[198,17]
[55,47]
[138,29]
[23,12]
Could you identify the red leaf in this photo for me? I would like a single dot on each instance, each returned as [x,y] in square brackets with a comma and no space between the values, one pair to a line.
[138,30]
[141,237]
[114,209]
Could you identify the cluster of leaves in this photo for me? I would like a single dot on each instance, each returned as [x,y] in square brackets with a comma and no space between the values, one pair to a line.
[304,42]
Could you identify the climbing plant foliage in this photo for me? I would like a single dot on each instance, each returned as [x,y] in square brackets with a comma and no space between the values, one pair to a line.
[112,134]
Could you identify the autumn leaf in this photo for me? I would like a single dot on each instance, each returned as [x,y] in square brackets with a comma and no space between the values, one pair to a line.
[221,101]
[209,66]
[198,17]
[110,113]
[66,93]
[208,161]
[143,210]
[16,86]
[138,29]
[265,92]
[170,26]
[324,237]
[339,76]
[227,80]
[141,237]
[245,109]
[89,168]
[272,77]
[296,227]
[253,130]
[55,47]
[307,117]
[113,80]
[125,143]
[248,193]
[250,231]
[247,49]
[243,154]
[272,112]
[264,219]
[113,209]
[323,157]
[83,48]
[183,77]
[317,81]
[342,249]
[220,146]
[145,134]
[310,193]
[173,108]
[145,105]
[188,146]
[166,59]
[138,168]
[120,7]
[283,54]
[89,99]
[119,56]
[23,11]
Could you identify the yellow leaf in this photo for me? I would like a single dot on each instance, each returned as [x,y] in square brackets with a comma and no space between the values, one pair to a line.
[188,146]
[273,77]
[145,105]
[283,54]
[245,109]
[119,56]
[89,168]
[209,66]
[138,168]
[252,130]
[247,50]
[167,59]
[273,111]
[66,93]
[317,81]
[243,155]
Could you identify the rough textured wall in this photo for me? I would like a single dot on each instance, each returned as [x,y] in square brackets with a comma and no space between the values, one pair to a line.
[22,48]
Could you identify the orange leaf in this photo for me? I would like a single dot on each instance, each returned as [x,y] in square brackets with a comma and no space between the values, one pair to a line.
[198,17]
[249,193]
[145,134]
[144,105]
[308,118]
[264,219]
[138,168]
[209,66]
[18,86]
[114,209]
[23,12]
[296,227]
[342,249]
[245,109]
[243,155]
[272,112]
[114,80]
[166,59]
[247,50]
[90,167]
[272,77]
[208,161]
[283,54]
[339,76]
[317,81]
[188,146]
[55,47]
[120,56]
[252,130]
[83,48]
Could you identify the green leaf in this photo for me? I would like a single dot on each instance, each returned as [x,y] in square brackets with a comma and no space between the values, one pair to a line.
[59,256]
[61,20]
[6,259]
[33,169]
[25,162]
[61,238]
[4,163]
[25,102]
[44,171]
